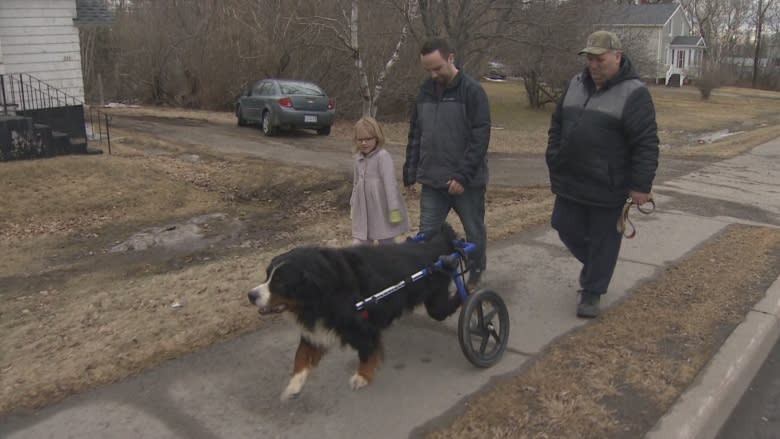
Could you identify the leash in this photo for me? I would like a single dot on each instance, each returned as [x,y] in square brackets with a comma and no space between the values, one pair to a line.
[624,220]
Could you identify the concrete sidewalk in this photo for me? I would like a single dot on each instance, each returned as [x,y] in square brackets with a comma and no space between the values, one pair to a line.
[231,390]
[750,185]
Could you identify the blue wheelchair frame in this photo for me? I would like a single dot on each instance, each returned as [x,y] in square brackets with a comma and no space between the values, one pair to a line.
[473,322]
[449,263]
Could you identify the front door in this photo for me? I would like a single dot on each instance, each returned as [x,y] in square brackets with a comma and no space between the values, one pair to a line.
[681,59]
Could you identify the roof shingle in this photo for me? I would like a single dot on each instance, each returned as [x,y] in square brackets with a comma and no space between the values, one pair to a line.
[646,14]
[686,41]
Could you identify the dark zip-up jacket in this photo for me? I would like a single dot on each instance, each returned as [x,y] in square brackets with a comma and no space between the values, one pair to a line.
[449,135]
[603,143]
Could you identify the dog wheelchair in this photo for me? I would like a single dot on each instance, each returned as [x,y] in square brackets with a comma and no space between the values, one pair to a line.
[483,324]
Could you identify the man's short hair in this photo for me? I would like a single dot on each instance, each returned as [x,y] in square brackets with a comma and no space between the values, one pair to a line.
[434,44]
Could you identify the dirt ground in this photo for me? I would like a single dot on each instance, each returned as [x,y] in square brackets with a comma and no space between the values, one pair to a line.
[113,264]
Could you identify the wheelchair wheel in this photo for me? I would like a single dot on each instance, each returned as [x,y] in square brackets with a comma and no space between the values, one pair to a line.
[483,328]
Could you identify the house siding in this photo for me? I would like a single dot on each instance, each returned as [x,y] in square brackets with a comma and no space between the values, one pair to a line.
[2,65]
[38,37]
[663,53]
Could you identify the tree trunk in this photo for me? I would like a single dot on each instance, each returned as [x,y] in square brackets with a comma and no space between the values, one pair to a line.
[763,7]
[412,11]
[530,81]
[365,90]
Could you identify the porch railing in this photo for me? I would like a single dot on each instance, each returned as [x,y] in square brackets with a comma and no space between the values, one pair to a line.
[21,92]
[674,70]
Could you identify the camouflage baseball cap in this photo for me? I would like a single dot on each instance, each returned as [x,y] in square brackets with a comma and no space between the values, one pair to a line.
[601,42]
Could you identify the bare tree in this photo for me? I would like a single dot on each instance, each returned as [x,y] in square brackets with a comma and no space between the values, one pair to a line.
[474,27]
[347,30]
[272,33]
[762,10]
[720,24]
[200,54]
[87,38]
[541,47]
[543,39]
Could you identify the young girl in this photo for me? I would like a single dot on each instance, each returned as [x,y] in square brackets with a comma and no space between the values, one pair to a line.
[378,210]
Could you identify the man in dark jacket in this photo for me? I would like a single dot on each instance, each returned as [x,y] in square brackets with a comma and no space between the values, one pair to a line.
[602,150]
[447,150]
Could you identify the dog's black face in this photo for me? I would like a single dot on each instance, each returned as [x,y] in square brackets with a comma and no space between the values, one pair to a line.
[288,283]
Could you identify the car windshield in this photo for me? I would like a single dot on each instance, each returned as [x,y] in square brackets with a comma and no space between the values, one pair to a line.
[300,88]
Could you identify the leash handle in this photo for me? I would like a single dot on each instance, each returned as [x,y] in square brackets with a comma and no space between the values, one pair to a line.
[645,210]
[624,224]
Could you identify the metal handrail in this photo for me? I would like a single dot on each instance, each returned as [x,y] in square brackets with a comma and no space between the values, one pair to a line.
[24,92]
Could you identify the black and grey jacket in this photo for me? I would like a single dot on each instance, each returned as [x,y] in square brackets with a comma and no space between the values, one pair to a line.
[449,135]
[603,143]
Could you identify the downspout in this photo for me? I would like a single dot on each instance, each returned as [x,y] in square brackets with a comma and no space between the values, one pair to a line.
[658,58]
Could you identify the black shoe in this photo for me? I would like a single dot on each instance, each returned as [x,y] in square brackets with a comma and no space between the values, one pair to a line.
[589,305]
[475,280]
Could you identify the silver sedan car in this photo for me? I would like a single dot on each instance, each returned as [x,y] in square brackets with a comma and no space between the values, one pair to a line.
[286,104]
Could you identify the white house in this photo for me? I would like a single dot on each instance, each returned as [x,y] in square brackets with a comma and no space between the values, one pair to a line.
[685,58]
[42,110]
[672,55]
[39,38]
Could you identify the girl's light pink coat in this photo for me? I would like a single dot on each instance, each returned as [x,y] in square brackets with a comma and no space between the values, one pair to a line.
[375,193]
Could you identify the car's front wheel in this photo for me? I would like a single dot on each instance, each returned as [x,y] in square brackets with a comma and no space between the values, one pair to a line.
[268,129]
[324,131]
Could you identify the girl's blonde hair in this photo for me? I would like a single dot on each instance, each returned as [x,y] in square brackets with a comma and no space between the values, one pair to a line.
[370,126]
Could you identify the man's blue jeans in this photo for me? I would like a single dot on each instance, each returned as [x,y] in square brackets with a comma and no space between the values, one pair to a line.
[435,204]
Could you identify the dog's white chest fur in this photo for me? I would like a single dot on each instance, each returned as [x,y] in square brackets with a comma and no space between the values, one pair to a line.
[321,336]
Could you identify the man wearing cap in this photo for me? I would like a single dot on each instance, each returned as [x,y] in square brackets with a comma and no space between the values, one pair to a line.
[602,149]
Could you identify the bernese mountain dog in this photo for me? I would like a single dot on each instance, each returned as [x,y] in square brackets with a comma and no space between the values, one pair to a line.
[319,287]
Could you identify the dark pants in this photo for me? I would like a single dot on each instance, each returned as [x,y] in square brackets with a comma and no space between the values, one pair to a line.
[435,204]
[590,234]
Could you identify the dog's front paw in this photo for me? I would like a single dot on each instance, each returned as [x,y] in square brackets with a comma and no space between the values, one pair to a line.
[357,381]
[289,394]
[295,386]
